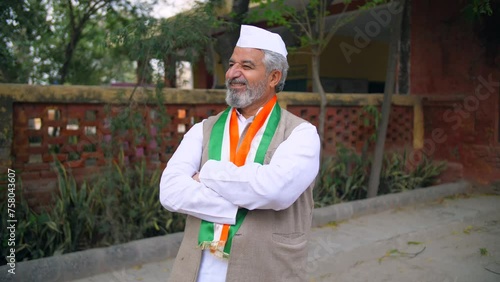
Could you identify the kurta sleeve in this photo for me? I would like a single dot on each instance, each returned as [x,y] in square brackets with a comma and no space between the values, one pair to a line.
[180,193]
[276,185]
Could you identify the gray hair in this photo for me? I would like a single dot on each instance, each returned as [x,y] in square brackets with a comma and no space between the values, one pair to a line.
[276,61]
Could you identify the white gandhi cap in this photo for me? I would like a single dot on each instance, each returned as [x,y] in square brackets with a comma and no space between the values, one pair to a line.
[254,37]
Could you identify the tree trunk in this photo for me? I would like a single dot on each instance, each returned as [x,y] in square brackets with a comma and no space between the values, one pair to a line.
[225,43]
[68,54]
[212,62]
[143,72]
[404,52]
[170,77]
[319,88]
[376,167]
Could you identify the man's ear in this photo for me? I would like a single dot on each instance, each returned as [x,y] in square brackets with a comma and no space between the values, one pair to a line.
[274,78]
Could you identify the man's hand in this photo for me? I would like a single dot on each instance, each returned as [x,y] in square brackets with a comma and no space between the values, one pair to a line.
[196,176]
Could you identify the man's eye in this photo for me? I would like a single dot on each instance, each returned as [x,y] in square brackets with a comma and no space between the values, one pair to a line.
[247,67]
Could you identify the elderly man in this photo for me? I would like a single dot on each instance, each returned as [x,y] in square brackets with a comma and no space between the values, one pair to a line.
[244,177]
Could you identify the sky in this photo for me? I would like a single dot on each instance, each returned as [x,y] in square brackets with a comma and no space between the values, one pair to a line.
[168,8]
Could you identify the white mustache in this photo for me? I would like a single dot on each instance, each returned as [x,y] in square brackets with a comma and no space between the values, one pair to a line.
[242,81]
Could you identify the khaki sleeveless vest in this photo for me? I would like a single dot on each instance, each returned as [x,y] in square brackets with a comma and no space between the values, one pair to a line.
[270,245]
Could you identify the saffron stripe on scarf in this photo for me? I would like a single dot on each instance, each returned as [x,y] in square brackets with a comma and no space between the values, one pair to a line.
[215,151]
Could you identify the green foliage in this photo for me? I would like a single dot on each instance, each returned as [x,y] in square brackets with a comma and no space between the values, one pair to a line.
[22,25]
[341,178]
[274,12]
[44,39]
[372,4]
[96,42]
[344,177]
[306,19]
[397,176]
[476,9]
[483,251]
[180,38]
[371,120]
[119,206]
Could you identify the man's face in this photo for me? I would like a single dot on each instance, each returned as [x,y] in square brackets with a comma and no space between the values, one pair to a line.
[246,78]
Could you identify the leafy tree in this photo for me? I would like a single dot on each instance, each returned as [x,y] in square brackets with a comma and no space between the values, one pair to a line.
[180,38]
[77,19]
[307,21]
[22,24]
[64,41]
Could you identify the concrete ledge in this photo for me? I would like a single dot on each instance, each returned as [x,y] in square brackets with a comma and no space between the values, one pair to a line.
[86,263]
[94,261]
[347,210]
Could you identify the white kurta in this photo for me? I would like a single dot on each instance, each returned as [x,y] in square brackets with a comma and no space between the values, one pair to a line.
[224,187]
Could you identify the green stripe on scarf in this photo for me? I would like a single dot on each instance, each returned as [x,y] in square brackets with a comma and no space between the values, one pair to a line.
[214,153]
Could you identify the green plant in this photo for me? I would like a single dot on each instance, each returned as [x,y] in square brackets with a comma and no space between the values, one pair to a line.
[371,116]
[142,215]
[119,206]
[476,9]
[344,177]
[397,176]
[341,178]
[35,233]
[483,251]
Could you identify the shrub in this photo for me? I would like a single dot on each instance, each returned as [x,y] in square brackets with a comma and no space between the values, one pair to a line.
[344,177]
[341,178]
[397,176]
[119,206]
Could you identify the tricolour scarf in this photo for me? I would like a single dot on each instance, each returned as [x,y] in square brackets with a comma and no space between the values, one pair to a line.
[216,237]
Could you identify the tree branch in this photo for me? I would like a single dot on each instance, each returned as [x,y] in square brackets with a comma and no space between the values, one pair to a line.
[338,24]
[71,16]
[308,21]
[92,10]
[304,27]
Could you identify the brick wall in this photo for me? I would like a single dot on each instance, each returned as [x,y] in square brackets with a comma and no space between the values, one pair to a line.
[74,126]
[451,64]
[352,126]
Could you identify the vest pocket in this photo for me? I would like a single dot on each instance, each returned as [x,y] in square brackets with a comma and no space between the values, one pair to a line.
[293,238]
[289,257]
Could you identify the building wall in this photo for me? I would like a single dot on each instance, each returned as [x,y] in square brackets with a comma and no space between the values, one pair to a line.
[449,63]
[369,65]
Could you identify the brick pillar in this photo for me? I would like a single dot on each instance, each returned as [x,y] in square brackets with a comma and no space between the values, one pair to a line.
[6,109]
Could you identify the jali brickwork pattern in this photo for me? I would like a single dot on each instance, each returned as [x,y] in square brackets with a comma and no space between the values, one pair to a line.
[352,126]
[81,135]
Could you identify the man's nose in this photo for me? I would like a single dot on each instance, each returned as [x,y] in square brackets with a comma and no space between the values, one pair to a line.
[233,72]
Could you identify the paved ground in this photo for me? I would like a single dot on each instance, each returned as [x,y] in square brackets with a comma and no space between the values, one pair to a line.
[453,240]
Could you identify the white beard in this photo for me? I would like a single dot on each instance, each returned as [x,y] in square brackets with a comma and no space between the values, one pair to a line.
[244,98]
